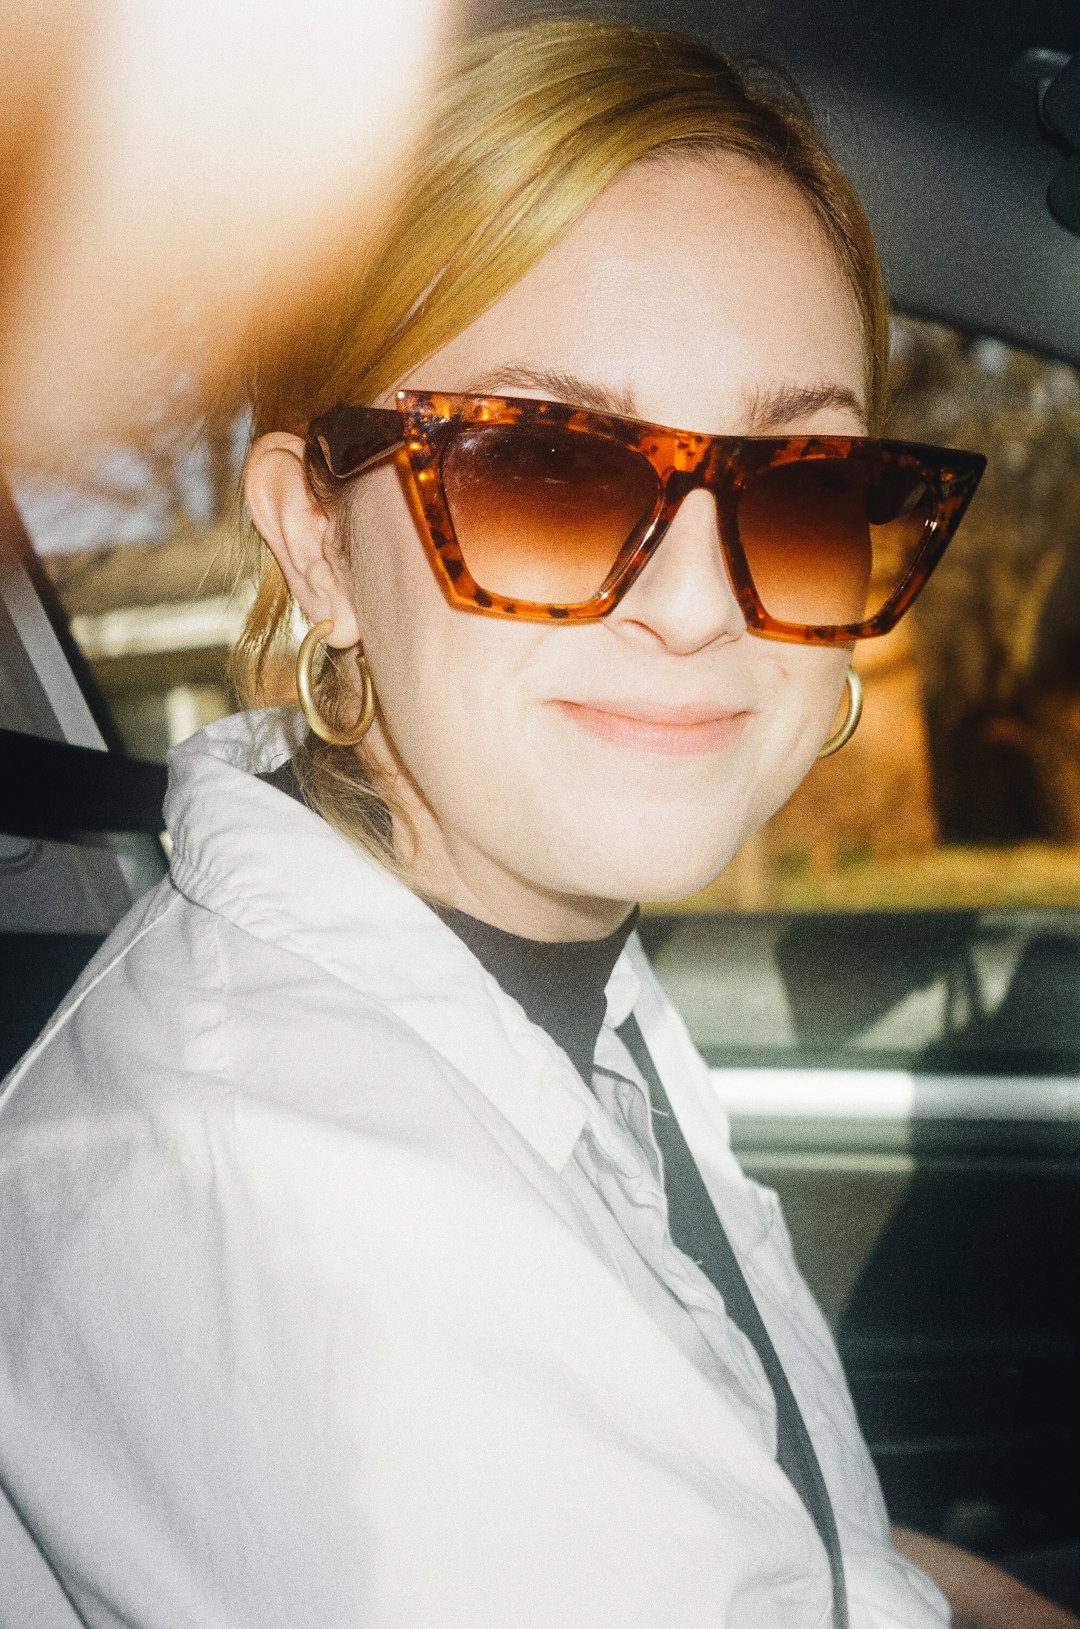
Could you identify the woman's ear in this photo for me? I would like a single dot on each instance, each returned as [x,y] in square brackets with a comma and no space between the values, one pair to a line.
[297,530]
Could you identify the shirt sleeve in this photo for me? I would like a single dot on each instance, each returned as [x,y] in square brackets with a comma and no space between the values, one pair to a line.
[170,1349]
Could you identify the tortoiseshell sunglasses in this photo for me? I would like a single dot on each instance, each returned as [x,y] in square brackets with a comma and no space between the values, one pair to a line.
[546,512]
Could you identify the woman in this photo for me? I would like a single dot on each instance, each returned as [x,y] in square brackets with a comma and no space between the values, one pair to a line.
[337,1241]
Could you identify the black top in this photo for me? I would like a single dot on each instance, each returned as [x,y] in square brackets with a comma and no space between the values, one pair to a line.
[561,986]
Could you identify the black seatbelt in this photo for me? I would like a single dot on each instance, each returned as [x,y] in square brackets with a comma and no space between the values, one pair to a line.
[699,1233]
[53,789]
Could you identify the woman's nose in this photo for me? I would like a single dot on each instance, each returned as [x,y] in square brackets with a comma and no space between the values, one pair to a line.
[684,596]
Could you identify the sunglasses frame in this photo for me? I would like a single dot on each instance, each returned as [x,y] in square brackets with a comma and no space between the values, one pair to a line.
[348,440]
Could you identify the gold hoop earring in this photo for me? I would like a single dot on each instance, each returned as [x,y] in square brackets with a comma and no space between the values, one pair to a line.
[304,658]
[847,729]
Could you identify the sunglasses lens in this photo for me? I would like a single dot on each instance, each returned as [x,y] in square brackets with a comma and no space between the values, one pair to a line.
[541,513]
[829,540]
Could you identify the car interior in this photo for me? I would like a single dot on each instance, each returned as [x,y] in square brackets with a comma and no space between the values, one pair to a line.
[892,1011]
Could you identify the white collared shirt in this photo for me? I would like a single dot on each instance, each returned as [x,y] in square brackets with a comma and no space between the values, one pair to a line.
[334,1298]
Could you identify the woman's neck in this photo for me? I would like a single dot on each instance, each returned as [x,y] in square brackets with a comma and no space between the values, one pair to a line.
[461,876]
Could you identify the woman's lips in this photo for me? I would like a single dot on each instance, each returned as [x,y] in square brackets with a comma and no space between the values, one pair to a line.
[678,731]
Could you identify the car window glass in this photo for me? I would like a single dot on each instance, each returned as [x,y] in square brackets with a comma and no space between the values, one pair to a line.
[141,544]
[958,796]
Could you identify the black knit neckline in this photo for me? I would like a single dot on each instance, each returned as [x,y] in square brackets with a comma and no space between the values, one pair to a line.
[561,985]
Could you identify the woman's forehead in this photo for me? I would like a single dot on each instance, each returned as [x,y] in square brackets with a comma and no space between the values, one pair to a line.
[690,292]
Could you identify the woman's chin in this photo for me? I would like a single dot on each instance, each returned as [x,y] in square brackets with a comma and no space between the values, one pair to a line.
[658,877]
[681,886]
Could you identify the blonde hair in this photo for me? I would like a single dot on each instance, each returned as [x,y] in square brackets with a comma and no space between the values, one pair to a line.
[528,128]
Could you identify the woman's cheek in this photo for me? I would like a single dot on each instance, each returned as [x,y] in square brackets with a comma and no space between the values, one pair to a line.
[789,746]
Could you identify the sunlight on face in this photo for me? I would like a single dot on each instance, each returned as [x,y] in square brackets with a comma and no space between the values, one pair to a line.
[553,774]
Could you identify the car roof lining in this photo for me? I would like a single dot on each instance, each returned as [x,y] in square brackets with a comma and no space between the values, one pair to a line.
[916,102]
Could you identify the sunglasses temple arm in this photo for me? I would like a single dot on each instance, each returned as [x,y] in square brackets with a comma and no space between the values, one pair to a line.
[351,438]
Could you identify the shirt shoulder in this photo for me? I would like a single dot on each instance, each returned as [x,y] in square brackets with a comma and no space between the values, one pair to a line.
[184,1030]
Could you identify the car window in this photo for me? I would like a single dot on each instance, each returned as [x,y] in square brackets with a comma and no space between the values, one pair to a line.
[917,902]
[140,544]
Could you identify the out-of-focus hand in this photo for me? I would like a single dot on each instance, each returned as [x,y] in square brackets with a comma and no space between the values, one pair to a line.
[981,1595]
[177,171]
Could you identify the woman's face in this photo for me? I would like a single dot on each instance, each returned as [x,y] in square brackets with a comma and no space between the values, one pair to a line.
[554,774]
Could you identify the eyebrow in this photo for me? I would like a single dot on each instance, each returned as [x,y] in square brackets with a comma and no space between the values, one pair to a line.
[559,386]
[777,405]
[766,408]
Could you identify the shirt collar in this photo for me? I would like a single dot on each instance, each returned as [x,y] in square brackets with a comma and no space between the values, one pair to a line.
[281,873]
[624,988]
